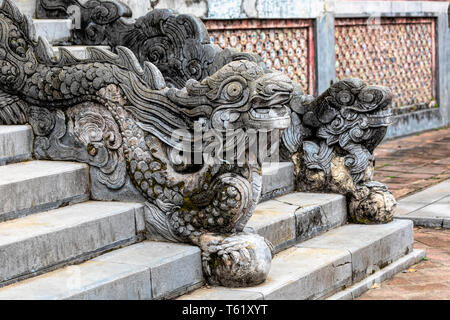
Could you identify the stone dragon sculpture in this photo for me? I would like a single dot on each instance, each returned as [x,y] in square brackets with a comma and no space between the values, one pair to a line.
[120,118]
[331,139]
[331,142]
[124,117]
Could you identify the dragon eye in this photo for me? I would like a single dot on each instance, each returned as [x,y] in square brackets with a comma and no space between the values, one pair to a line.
[234,90]
[345,97]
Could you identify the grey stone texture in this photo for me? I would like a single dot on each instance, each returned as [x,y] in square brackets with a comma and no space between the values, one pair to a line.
[16,144]
[37,243]
[351,256]
[197,8]
[386,8]
[27,7]
[384,274]
[56,31]
[275,221]
[34,186]
[92,280]
[278,179]
[324,52]
[296,274]
[415,121]
[139,7]
[372,246]
[173,267]
[148,270]
[79,52]
[295,217]
[443,65]
[428,208]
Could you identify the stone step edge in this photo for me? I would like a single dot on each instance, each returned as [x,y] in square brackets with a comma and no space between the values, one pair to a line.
[294,224]
[70,198]
[331,290]
[56,31]
[378,277]
[278,179]
[18,144]
[73,261]
[186,289]
[427,222]
[130,259]
[135,237]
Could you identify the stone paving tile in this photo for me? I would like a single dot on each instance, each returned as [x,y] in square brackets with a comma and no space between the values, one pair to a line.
[427,280]
[411,164]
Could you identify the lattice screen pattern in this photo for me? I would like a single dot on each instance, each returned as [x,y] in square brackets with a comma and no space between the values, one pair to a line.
[395,52]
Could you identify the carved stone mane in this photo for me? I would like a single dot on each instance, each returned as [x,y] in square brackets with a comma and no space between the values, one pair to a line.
[177,44]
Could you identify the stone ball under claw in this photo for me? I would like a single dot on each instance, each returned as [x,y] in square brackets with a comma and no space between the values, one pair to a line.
[377,207]
[245,263]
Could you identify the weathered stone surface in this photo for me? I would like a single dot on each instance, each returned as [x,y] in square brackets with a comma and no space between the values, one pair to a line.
[35,243]
[16,144]
[386,273]
[120,116]
[91,280]
[297,273]
[275,221]
[410,204]
[28,7]
[109,112]
[148,270]
[372,246]
[221,293]
[197,8]
[34,186]
[79,52]
[297,217]
[317,213]
[278,179]
[56,31]
[173,267]
[328,153]
[139,8]
[429,208]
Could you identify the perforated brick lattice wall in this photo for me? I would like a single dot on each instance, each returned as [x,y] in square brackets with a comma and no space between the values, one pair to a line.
[284,45]
[395,52]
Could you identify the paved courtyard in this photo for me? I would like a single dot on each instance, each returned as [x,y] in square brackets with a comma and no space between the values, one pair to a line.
[410,165]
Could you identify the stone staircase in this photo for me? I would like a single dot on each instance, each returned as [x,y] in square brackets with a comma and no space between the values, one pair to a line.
[57,244]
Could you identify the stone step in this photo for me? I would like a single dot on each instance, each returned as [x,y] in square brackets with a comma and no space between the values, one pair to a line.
[296,217]
[34,186]
[79,52]
[272,219]
[429,208]
[16,144]
[56,31]
[322,266]
[379,276]
[47,240]
[278,179]
[148,270]
[27,7]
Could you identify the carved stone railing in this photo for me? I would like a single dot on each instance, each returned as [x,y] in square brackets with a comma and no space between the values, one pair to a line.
[130,115]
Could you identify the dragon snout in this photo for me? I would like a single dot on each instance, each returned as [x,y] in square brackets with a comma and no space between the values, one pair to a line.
[269,105]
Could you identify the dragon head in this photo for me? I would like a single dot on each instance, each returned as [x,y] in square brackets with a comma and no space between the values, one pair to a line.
[351,111]
[240,95]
